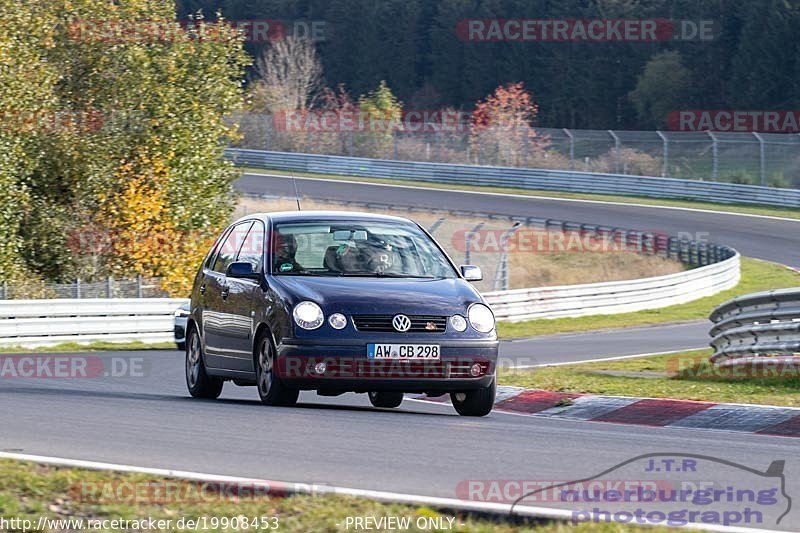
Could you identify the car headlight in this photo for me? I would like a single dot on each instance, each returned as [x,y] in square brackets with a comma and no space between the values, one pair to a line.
[458,322]
[308,315]
[337,321]
[181,313]
[481,318]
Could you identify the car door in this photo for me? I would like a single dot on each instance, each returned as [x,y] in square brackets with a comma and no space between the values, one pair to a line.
[216,312]
[237,296]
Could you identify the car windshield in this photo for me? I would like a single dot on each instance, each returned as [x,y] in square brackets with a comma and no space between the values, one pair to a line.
[356,248]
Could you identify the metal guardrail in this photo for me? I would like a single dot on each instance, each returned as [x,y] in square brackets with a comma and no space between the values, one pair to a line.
[47,322]
[515,177]
[615,296]
[761,324]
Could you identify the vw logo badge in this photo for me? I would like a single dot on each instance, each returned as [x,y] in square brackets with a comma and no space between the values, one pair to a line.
[401,323]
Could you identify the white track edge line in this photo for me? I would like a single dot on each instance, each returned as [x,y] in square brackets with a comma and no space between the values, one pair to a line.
[302,488]
[614,358]
[535,197]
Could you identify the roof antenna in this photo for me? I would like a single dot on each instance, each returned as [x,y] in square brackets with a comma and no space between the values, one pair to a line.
[296,194]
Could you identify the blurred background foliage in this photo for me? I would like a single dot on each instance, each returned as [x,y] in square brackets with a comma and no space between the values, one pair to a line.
[111,150]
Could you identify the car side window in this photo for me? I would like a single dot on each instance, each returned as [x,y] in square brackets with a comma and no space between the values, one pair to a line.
[212,254]
[230,247]
[252,250]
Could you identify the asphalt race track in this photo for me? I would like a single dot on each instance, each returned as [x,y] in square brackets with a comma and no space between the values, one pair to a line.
[586,346]
[763,238]
[419,448]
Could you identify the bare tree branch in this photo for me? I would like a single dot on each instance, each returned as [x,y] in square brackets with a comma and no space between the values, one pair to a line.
[291,76]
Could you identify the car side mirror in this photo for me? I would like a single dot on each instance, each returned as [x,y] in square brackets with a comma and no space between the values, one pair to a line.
[471,272]
[241,270]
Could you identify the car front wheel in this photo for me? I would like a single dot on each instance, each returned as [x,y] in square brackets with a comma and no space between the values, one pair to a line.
[478,402]
[386,399]
[271,388]
[199,383]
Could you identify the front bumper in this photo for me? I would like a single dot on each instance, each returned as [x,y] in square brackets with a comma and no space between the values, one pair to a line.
[348,369]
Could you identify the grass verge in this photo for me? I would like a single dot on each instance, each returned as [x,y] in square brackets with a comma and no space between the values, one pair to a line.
[99,346]
[756,276]
[722,208]
[687,376]
[29,491]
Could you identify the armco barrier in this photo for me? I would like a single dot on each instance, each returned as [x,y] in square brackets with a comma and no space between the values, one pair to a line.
[47,322]
[762,324]
[523,178]
[616,296]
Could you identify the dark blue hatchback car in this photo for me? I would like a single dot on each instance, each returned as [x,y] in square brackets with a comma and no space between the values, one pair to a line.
[339,302]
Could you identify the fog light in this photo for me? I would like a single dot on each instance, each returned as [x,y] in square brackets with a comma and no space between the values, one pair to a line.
[320,368]
[337,321]
[458,322]
[476,370]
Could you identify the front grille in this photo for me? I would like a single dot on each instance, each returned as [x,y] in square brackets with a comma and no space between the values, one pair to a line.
[383,323]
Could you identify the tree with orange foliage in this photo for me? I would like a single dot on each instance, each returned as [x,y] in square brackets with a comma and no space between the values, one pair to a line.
[501,129]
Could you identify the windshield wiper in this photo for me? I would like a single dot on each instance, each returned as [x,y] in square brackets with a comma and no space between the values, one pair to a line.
[383,275]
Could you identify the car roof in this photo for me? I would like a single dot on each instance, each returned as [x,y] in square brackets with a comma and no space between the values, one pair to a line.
[303,216]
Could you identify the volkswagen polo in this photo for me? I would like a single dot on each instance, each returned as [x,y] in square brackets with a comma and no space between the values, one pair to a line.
[339,302]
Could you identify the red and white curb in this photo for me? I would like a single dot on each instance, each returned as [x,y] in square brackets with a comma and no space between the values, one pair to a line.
[760,419]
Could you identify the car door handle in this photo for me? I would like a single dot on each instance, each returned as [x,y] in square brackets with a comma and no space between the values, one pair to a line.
[203,288]
[225,292]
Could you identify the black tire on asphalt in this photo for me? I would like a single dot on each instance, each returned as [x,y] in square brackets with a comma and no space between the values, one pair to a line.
[272,390]
[199,383]
[386,399]
[477,402]
[181,346]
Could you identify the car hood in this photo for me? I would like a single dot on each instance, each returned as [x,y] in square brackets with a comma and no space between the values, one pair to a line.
[379,295]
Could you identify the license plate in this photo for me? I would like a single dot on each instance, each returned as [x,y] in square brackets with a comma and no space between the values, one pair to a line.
[403,351]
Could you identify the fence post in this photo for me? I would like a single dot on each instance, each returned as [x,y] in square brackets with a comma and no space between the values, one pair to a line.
[571,149]
[468,241]
[109,281]
[761,169]
[616,149]
[665,166]
[139,286]
[76,289]
[4,289]
[501,271]
[436,225]
[714,156]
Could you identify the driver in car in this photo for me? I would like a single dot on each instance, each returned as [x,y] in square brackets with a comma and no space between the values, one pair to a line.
[284,250]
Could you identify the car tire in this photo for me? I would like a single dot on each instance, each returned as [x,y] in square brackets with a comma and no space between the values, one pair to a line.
[181,346]
[386,400]
[477,402]
[199,383]
[272,390]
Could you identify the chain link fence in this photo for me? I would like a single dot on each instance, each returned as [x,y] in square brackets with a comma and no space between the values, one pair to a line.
[109,288]
[745,158]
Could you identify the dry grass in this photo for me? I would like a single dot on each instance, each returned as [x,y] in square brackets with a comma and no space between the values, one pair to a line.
[529,266]
[542,270]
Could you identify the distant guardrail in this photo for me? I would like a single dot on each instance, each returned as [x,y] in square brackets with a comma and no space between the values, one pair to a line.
[615,296]
[47,322]
[762,324]
[522,178]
